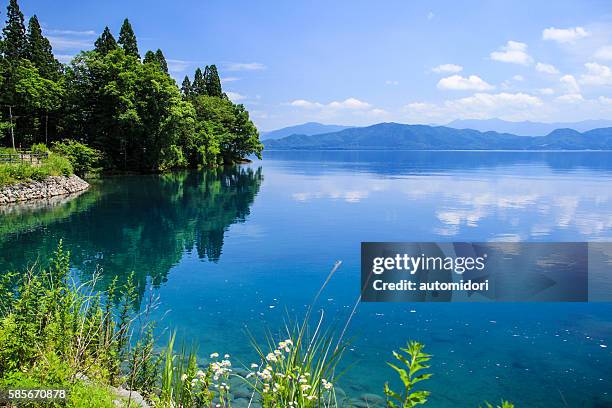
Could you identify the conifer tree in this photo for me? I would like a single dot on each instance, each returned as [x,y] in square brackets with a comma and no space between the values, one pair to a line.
[161,60]
[106,42]
[186,87]
[213,82]
[199,85]
[15,42]
[39,51]
[127,39]
[149,58]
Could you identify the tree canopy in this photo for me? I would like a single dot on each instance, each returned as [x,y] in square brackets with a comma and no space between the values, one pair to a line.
[133,111]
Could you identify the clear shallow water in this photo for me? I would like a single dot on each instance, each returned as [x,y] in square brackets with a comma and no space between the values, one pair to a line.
[225,250]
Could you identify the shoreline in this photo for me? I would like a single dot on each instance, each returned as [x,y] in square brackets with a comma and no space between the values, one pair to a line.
[52,186]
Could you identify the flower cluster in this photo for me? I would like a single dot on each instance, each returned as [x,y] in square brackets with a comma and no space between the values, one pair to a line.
[283,380]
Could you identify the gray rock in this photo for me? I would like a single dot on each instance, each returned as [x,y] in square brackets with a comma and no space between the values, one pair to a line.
[51,187]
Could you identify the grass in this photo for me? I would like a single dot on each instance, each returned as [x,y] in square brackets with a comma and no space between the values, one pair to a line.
[56,333]
[53,165]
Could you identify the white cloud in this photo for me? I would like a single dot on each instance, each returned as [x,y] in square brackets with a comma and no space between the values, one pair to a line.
[447,68]
[69,32]
[234,96]
[175,65]
[348,104]
[546,91]
[244,66]
[391,82]
[303,103]
[605,100]
[485,105]
[570,84]
[597,74]
[564,35]
[459,83]
[604,53]
[229,79]
[546,68]
[65,43]
[518,78]
[509,106]
[377,112]
[570,98]
[513,52]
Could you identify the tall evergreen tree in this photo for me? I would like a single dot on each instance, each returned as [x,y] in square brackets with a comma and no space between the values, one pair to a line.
[186,87]
[106,42]
[127,39]
[149,58]
[39,51]
[213,82]
[14,31]
[199,85]
[161,60]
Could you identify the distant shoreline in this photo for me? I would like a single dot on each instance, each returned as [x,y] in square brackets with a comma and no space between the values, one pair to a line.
[438,150]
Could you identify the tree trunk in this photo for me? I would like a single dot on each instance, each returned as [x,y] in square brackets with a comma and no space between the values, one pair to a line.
[11,122]
[46,127]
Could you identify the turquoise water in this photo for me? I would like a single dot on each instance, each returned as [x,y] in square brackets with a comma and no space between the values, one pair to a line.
[241,248]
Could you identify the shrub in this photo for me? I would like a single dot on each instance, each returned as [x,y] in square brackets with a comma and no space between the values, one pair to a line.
[83,158]
[54,165]
[39,148]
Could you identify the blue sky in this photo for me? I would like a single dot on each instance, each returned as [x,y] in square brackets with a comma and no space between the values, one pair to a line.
[363,62]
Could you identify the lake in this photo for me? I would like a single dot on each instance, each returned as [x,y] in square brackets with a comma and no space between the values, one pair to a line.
[239,249]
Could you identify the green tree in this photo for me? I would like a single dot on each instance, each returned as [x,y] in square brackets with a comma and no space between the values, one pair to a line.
[199,85]
[226,126]
[106,42]
[186,87]
[161,60]
[14,32]
[213,82]
[39,51]
[31,95]
[132,112]
[149,58]
[127,39]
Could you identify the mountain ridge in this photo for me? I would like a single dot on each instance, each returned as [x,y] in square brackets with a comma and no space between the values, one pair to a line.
[526,128]
[308,128]
[384,136]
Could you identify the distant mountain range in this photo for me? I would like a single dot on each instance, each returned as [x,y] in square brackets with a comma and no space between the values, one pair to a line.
[310,128]
[527,128]
[385,136]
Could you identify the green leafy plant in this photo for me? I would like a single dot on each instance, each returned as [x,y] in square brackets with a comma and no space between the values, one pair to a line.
[39,148]
[83,158]
[415,361]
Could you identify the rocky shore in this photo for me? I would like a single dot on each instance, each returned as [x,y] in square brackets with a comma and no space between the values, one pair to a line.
[50,187]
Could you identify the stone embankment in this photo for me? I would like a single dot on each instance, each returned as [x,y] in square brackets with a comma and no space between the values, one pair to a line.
[50,187]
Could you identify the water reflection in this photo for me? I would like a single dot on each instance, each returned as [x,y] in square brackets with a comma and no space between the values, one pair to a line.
[143,224]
